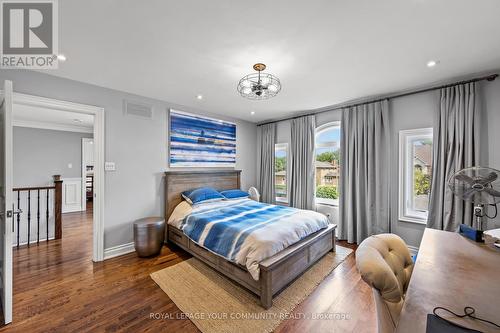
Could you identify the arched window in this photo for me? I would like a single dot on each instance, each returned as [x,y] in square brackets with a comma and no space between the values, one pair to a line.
[328,163]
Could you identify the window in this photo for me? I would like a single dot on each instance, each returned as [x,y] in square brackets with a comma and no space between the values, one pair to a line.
[328,163]
[415,174]
[280,172]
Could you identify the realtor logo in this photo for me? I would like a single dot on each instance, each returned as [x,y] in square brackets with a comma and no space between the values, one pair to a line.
[29,34]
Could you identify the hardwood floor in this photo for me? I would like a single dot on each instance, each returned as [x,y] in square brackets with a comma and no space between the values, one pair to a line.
[57,288]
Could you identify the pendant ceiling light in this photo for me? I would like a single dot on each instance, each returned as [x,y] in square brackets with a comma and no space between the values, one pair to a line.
[259,85]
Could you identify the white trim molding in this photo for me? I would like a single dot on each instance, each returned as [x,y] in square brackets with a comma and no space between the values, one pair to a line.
[52,126]
[322,128]
[98,200]
[406,212]
[330,145]
[85,154]
[49,103]
[118,250]
[284,147]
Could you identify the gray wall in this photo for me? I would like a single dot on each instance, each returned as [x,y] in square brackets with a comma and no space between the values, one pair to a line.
[410,112]
[41,153]
[418,111]
[491,98]
[137,146]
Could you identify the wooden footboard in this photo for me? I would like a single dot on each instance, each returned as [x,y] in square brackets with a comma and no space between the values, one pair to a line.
[276,272]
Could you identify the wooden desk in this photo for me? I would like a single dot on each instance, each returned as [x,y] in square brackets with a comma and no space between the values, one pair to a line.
[453,272]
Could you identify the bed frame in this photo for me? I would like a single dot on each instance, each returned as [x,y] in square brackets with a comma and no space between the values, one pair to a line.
[276,272]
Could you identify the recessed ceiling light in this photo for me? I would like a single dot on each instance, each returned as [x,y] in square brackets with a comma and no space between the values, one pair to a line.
[61,57]
[199,96]
[252,113]
[432,63]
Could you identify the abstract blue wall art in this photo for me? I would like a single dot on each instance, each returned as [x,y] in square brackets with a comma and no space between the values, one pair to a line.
[197,141]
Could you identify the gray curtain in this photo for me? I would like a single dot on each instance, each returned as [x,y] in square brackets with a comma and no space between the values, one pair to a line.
[302,162]
[456,146]
[364,176]
[265,173]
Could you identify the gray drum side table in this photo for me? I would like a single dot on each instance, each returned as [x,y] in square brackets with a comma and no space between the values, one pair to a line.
[149,234]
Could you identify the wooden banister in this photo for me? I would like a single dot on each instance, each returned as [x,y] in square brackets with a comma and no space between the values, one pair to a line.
[36,194]
[58,206]
[33,188]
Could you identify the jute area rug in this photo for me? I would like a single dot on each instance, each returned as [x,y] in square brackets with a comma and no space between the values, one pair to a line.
[216,304]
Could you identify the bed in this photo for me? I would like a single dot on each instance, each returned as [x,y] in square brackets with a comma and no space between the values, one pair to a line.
[275,272]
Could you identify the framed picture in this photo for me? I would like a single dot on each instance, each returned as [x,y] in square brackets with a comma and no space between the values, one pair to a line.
[197,141]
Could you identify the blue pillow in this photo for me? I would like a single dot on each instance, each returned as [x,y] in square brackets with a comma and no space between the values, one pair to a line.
[234,194]
[201,194]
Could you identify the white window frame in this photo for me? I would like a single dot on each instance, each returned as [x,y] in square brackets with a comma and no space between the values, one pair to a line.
[319,130]
[284,146]
[406,174]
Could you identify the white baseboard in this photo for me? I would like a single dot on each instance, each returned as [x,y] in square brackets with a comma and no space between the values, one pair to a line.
[118,250]
[413,250]
[33,241]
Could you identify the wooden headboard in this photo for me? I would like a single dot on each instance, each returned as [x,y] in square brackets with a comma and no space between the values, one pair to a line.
[177,182]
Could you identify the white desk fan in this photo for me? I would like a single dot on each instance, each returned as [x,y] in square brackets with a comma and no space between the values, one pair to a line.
[479,185]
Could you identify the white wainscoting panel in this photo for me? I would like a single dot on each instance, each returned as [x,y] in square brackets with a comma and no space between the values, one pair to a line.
[72,195]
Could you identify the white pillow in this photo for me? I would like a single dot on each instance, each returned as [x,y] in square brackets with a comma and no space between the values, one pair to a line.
[180,212]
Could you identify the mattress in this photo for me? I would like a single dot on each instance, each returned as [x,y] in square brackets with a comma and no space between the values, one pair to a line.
[244,231]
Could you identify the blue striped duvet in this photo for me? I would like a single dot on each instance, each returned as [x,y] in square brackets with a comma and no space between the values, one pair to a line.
[247,232]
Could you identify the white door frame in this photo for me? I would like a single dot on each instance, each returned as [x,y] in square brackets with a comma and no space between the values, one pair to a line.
[98,113]
[84,173]
[7,269]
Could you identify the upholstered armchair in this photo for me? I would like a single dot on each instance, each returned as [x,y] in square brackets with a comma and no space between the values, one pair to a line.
[384,262]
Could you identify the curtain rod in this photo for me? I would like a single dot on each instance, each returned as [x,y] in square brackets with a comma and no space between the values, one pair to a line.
[490,78]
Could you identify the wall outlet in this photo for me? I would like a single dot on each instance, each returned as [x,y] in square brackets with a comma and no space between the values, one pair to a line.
[109,166]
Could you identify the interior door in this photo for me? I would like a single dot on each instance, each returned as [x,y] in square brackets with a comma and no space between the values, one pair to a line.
[6,204]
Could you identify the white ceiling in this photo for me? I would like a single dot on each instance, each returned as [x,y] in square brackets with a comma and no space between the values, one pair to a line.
[324,52]
[38,117]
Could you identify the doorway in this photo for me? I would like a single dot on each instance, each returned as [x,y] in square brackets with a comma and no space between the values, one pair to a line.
[74,195]
[88,165]
[10,102]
